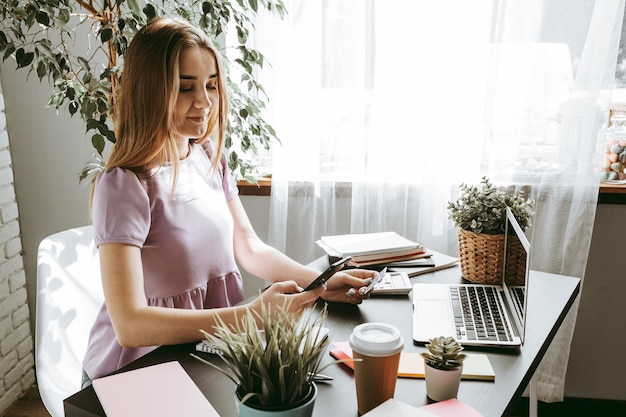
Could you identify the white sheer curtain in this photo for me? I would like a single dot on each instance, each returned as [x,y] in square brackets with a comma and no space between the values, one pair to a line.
[385,107]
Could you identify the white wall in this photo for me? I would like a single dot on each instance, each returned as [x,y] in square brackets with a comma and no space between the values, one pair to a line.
[600,331]
[16,343]
[49,150]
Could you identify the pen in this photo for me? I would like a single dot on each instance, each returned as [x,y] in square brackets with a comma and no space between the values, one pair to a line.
[374,282]
[321,377]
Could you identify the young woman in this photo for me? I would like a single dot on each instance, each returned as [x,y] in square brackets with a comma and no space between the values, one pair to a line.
[167,219]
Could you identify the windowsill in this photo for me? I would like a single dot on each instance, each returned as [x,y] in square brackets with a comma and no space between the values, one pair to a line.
[263,188]
[612,188]
[612,194]
[608,193]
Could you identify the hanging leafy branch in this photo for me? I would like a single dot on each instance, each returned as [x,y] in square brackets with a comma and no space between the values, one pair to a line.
[42,36]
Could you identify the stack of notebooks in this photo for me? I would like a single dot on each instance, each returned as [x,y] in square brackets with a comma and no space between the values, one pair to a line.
[372,248]
[386,249]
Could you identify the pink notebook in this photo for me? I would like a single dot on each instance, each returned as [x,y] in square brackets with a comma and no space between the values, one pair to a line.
[162,390]
[448,408]
[451,408]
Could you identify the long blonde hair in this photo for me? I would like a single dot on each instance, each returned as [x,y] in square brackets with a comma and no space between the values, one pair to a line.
[146,98]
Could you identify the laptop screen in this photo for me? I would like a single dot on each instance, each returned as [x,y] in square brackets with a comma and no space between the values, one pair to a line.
[516,271]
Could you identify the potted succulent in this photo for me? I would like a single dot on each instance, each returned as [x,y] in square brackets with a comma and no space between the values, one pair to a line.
[443,368]
[480,217]
[271,364]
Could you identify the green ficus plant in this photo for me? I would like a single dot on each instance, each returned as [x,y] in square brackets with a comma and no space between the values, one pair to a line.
[42,36]
[482,208]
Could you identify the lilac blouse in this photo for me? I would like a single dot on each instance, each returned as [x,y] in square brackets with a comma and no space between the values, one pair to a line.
[186,241]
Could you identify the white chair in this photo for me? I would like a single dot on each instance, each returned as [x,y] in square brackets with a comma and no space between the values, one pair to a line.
[69,295]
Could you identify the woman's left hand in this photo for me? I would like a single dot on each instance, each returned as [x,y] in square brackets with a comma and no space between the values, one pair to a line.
[345,286]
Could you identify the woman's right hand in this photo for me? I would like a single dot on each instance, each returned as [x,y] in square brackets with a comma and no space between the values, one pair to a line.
[287,295]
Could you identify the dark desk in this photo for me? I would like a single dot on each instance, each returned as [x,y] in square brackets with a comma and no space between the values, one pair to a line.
[550,298]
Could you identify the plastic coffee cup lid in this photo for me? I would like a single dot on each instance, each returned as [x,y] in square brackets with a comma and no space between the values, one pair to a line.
[376,339]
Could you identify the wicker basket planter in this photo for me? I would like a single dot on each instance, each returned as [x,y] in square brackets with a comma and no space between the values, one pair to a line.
[482,258]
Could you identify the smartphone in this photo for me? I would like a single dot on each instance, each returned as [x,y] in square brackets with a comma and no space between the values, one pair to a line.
[330,271]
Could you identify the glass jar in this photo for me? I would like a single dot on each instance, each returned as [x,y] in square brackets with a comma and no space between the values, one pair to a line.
[614,158]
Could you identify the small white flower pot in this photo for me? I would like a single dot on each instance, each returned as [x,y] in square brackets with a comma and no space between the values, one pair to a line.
[442,385]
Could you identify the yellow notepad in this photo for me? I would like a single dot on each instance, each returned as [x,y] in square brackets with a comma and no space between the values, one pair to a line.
[475,366]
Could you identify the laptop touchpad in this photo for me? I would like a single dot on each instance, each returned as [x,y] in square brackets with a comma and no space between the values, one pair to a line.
[431,319]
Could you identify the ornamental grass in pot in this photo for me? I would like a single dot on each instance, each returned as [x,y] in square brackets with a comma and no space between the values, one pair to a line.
[480,217]
[444,367]
[272,364]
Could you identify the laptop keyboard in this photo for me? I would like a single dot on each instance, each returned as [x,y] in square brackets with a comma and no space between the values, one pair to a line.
[478,315]
[518,294]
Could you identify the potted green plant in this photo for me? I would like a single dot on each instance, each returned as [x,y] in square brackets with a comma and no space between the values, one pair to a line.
[479,214]
[443,368]
[272,358]
[47,38]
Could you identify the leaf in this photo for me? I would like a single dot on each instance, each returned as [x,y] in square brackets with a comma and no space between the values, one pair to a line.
[242,34]
[150,12]
[63,17]
[42,18]
[97,141]
[254,5]
[42,70]
[89,108]
[8,52]
[92,168]
[84,64]
[135,9]
[30,18]
[92,124]
[106,34]
[72,107]
[23,58]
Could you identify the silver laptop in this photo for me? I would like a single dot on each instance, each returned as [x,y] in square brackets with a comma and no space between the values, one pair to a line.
[477,314]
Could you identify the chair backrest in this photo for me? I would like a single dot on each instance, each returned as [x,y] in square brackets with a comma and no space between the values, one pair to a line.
[69,295]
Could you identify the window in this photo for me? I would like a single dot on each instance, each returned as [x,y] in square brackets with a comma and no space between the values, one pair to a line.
[357,84]
[620,70]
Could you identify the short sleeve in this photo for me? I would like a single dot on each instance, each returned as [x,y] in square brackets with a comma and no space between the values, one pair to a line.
[120,209]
